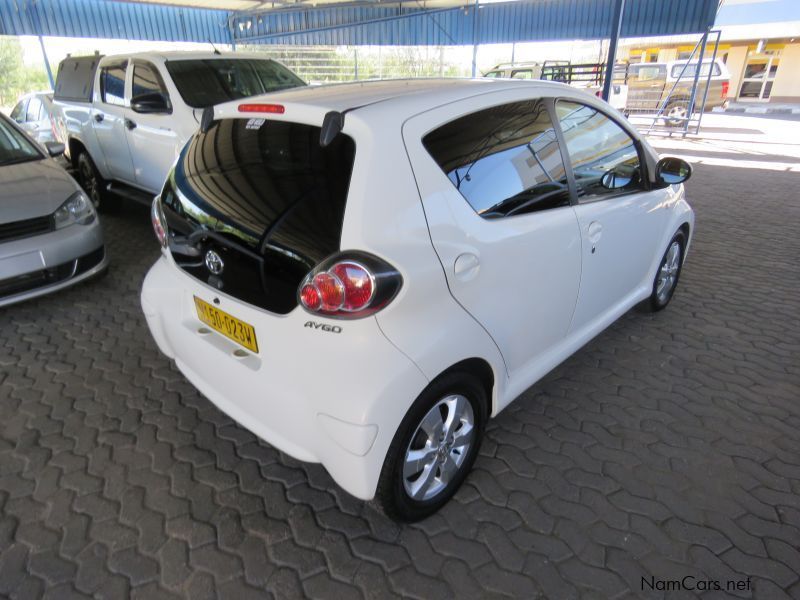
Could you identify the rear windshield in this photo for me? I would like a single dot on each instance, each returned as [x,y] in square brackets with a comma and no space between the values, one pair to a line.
[274,198]
[207,82]
[692,68]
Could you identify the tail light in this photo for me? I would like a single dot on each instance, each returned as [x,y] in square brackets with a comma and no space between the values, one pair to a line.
[159,222]
[276,109]
[53,128]
[349,285]
[725,85]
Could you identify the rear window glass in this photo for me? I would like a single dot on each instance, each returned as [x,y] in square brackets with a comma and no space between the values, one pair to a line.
[75,79]
[203,83]
[692,68]
[270,188]
[647,72]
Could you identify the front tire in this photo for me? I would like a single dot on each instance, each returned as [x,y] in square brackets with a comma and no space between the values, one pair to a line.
[434,448]
[668,274]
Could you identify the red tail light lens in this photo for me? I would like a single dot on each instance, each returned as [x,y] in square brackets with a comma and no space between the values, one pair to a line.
[331,291]
[725,85]
[357,283]
[275,109]
[349,286]
[309,297]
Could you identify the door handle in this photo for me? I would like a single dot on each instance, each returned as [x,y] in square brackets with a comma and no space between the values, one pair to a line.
[99,117]
[594,232]
[130,124]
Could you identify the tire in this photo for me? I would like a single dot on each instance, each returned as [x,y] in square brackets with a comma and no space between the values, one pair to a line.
[91,181]
[668,273]
[676,112]
[443,464]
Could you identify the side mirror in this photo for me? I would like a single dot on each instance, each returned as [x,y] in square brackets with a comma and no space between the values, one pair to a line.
[671,171]
[54,148]
[614,180]
[151,103]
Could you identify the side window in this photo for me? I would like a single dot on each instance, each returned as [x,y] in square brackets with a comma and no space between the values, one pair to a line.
[504,160]
[18,114]
[604,158]
[524,74]
[34,108]
[146,80]
[112,84]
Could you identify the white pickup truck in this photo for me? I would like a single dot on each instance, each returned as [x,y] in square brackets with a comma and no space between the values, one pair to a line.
[124,119]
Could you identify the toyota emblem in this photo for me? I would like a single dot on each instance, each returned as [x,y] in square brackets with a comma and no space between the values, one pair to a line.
[214,262]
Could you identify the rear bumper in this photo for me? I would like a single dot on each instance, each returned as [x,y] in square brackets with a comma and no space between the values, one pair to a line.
[332,398]
[42,264]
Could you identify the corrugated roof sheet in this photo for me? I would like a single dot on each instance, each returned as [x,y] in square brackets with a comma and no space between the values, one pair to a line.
[521,21]
[116,20]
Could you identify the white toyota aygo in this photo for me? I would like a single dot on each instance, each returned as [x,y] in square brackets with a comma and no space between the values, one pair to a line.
[363,274]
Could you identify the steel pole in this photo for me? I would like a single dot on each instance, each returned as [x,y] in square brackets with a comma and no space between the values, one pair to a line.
[693,96]
[475,40]
[47,65]
[619,8]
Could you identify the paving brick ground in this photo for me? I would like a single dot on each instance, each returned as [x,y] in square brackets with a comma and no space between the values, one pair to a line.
[669,446]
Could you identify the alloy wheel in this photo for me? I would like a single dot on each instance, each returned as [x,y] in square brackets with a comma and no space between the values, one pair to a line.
[668,273]
[438,448]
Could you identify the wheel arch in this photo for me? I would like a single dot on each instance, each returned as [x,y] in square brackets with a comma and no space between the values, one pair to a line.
[480,368]
[75,147]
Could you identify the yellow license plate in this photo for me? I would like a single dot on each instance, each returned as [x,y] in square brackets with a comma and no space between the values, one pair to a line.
[228,325]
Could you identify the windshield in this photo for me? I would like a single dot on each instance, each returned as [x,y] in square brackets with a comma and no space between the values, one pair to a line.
[207,82]
[15,147]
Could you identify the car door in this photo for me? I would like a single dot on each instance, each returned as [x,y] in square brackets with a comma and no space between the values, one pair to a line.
[152,138]
[622,222]
[110,127]
[494,189]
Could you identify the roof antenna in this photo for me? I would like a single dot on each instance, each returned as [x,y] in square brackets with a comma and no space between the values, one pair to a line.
[217,52]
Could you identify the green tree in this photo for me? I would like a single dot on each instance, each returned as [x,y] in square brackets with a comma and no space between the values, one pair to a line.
[16,78]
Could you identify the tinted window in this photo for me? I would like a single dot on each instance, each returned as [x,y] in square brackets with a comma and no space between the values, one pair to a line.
[690,70]
[112,85]
[647,72]
[35,109]
[18,114]
[15,147]
[274,197]
[504,160]
[146,80]
[204,83]
[604,159]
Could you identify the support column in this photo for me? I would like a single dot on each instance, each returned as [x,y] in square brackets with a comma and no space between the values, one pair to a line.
[619,9]
[47,64]
[475,40]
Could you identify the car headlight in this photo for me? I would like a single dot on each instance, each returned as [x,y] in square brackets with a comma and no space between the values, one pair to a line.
[77,209]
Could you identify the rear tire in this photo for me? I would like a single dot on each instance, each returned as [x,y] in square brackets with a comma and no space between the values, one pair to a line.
[676,112]
[91,181]
[668,274]
[434,448]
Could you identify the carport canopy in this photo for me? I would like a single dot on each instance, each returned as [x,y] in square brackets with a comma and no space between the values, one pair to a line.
[360,22]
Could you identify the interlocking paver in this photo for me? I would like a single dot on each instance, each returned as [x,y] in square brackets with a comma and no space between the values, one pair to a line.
[669,445]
